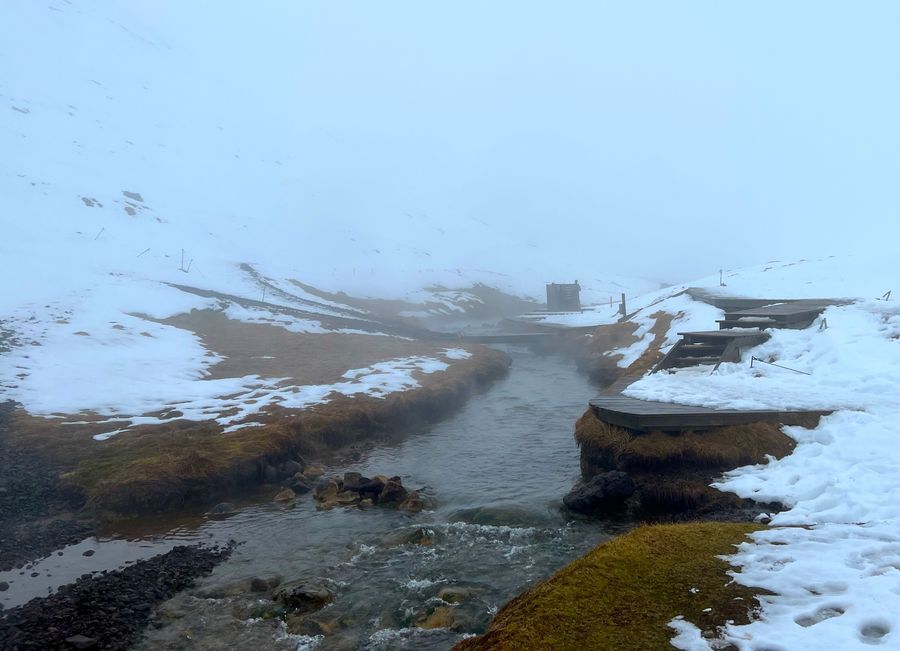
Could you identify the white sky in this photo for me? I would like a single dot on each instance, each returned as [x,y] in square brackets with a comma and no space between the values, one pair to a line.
[654,139]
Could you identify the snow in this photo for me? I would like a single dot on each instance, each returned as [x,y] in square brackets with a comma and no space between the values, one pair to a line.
[832,558]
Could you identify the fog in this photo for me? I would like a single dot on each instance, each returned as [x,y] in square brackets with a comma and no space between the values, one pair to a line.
[661,139]
[647,139]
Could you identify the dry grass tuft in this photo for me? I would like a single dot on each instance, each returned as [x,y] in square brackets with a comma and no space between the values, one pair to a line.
[623,594]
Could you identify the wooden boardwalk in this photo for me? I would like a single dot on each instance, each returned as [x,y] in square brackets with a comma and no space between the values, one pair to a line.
[646,415]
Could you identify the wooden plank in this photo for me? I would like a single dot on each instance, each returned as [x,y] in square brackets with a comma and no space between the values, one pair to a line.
[645,415]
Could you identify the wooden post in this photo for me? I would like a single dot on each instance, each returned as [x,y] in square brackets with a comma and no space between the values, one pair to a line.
[622,308]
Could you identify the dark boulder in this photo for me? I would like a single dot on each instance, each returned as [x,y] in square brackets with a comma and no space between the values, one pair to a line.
[353,480]
[300,487]
[223,508]
[303,596]
[271,474]
[290,467]
[393,492]
[81,642]
[603,492]
[259,585]
[370,489]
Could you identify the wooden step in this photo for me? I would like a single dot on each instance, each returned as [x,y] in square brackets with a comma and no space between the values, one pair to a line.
[694,349]
[723,336]
[725,324]
[682,362]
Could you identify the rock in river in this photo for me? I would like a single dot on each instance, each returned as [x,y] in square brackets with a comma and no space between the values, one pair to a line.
[393,492]
[303,596]
[603,492]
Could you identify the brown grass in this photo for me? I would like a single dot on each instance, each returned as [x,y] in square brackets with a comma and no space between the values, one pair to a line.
[623,594]
[272,351]
[604,369]
[152,468]
[613,448]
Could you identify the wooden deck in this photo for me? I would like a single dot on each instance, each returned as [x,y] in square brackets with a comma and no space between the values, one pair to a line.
[646,415]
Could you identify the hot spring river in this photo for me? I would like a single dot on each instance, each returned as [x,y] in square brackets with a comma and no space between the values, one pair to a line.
[496,472]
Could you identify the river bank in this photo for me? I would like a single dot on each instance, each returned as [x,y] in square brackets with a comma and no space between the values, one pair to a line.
[494,473]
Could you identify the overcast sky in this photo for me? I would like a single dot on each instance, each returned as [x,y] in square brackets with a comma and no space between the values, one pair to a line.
[667,139]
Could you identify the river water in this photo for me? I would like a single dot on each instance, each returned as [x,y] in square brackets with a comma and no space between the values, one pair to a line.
[495,472]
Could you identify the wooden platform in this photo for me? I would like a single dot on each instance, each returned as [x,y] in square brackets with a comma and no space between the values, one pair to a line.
[645,415]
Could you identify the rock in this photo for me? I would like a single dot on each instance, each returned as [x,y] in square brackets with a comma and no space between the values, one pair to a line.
[4,586]
[287,495]
[441,617]
[603,492]
[456,594]
[365,503]
[415,536]
[81,642]
[314,472]
[346,498]
[259,585]
[353,480]
[271,474]
[393,492]
[88,552]
[290,467]
[370,489]
[303,596]
[413,503]
[223,508]
[300,486]
[382,478]
[326,490]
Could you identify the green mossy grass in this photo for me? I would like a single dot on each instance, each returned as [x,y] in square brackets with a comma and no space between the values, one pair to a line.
[623,594]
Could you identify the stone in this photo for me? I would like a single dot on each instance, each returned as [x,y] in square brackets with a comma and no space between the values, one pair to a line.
[413,503]
[370,489]
[346,498]
[81,642]
[365,503]
[271,474]
[393,492]
[300,486]
[456,594]
[326,490]
[287,495]
[415,536]
[303,596]
[603,492]
[4,586]
[88,552]
[314,471]
[259,585]
[352,481]
[440,617]
[223,508]
[290,467]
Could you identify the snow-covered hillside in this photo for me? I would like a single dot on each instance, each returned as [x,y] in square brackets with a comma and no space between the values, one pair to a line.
[123,146]
[145,173]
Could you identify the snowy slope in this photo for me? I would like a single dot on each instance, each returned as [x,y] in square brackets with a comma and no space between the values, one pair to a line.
[121,141]
[139,153]
[831,559]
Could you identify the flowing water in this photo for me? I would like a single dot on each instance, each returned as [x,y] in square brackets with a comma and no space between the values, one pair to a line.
[495,472]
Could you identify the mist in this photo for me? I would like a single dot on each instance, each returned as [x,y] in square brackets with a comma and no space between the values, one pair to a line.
[651,139]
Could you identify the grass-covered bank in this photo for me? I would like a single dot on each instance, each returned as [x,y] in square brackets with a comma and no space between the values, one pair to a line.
[158,467]
[672,471]
[623,594]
